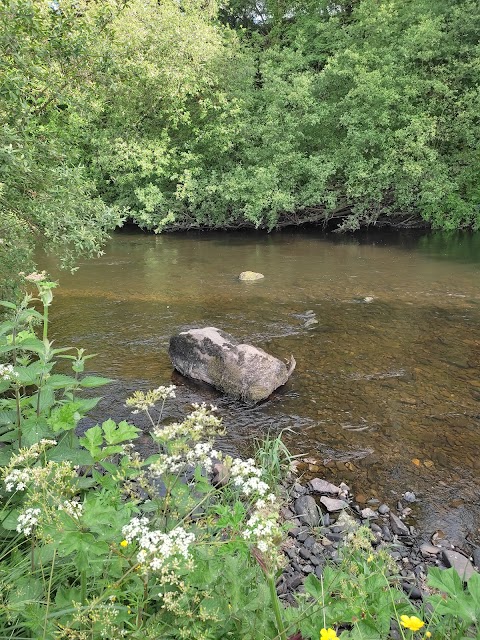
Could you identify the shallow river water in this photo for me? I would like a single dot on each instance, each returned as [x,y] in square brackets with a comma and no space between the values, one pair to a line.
[386,393]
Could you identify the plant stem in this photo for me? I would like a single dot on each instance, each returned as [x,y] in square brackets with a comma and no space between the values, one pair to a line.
[276,607]
[83,586]
[48,595]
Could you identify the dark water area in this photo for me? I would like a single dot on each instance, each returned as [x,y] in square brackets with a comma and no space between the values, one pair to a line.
[386,393]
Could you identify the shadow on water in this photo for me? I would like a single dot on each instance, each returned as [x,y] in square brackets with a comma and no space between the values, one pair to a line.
[386,391]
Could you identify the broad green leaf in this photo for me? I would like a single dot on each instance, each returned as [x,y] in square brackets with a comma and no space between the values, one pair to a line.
[8,417]
[87,404]
[93,440]
[123,432]
[60,381]
[90,382]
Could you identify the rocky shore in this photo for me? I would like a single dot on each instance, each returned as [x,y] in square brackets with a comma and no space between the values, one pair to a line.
[319,516]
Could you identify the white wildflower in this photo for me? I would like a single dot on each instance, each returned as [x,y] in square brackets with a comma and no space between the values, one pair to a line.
[17,480]
[246,475]
[74,508]
[7,372]
[27,521]
[156,547]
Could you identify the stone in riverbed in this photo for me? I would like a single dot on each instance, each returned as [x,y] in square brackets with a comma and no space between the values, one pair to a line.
[323,486]
[239,370]
[398,527]
[459,562]
[249,276]
[429,550]
[331,504]
[308,512]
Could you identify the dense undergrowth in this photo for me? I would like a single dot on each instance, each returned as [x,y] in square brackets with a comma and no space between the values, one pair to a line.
[99,543]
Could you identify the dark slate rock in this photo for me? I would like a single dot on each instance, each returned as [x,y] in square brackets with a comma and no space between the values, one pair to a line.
[398,527]
[294,582]
[429,550]
[332,504]
[476,558]
[383,509]
[386,534]
[308,569]
[412,591]
[309,542]
[307,510]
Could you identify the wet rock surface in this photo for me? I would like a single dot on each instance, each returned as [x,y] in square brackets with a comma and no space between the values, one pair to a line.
[317,531]
[217,358]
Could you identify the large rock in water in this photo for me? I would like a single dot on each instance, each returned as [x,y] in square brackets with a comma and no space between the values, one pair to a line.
[240,370]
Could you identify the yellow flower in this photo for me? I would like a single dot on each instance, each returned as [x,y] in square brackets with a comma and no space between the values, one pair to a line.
[411,622]
[370,558]
[328,634]
[428,634]
[123,543]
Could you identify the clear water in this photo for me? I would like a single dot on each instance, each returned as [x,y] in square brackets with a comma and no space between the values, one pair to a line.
[386,391]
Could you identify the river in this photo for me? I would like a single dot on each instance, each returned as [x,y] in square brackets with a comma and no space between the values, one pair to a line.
[386,391]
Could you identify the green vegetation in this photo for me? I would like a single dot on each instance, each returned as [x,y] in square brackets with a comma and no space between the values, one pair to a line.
[99,543]
[198,114]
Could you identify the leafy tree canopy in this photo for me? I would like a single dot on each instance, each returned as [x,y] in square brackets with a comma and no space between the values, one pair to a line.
[187,113]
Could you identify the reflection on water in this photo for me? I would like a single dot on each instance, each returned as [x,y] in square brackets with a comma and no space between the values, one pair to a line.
[387,387]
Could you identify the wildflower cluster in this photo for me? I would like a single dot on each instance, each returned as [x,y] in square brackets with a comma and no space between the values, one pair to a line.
[7,372]
[30,454]
[263,531]
[182,442]
[198,425]
[201,454]
[247,476]
[28,520]
[155,547]
[143,401]
[74,508]
[17,480]
[36,276]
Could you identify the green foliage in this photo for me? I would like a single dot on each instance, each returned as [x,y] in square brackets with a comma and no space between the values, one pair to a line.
[198,115]
[44,190]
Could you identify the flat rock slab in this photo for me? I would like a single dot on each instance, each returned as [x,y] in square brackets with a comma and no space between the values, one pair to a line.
[459,562]
[323,486]
[239,370]
[332,504]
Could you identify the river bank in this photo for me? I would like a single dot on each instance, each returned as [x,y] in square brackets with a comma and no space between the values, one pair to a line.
[321,517]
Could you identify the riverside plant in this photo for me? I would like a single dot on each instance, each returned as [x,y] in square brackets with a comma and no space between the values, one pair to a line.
[98,543]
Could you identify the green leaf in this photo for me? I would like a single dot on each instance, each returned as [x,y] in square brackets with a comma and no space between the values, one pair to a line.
[8,305]
[446,580]
[123,432]
[61,381]
[8,417]
[313,587]
[65,417]
[34,371]
[90,382]
[93,440]
[87,404]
